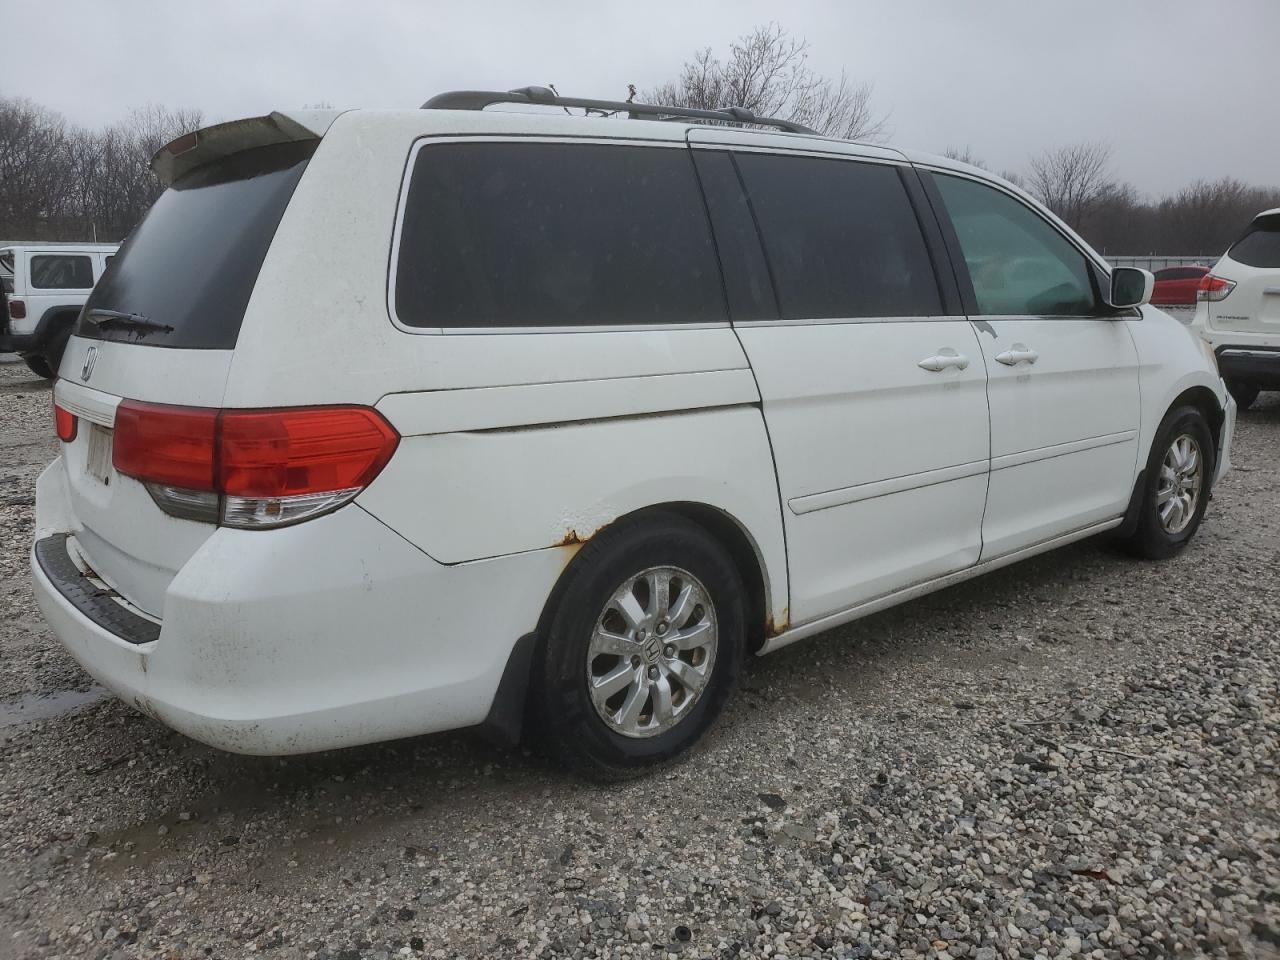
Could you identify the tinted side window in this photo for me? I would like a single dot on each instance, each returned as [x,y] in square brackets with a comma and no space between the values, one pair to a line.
[1018,262]
[61,272]
[549,234]
[1260,247]
[841,236]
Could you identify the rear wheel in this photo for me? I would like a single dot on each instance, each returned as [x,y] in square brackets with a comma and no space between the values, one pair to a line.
[56,347]
[1175,486]
[644,648]
[1243,393]
[39,366]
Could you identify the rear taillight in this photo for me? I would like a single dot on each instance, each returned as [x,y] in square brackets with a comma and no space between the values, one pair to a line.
[65,423]
[251,468]
[17,310]
[1214,288]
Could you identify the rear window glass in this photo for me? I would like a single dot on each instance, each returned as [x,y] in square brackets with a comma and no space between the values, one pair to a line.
[192,262]
[61,271]
[841,237]
[1260,247]
[545,234]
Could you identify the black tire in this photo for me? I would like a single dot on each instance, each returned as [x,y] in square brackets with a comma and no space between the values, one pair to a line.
[1151,539]
[1243,393]
[572,730]
[56,346]
[39,366]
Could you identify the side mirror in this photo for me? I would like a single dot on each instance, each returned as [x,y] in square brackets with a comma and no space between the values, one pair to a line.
[1130,287]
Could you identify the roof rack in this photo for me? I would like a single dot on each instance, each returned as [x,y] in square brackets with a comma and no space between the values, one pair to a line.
[545,96]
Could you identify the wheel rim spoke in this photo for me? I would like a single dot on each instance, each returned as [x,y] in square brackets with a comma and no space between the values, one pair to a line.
[663,712]
[629,715]
[619,678]
[625,603]
[693,637]
[690,678]
[606,641]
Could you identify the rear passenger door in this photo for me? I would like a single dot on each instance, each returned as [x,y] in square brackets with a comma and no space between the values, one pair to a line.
[1062,369]
[872,383]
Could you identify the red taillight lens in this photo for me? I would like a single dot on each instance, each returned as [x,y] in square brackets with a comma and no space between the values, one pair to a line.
[1214,288]
[164,444]
[283,453]
[266,467]
[17,310]
[65,423]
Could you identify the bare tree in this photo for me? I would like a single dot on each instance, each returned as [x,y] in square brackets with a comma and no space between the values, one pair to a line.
[767,72]
[61,182]
[1071,180]
[964,155]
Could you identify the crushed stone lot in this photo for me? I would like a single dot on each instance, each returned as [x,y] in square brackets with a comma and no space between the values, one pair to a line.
[1074,756]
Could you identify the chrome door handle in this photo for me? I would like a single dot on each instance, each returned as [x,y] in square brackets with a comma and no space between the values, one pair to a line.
[946,357]
[1018,353]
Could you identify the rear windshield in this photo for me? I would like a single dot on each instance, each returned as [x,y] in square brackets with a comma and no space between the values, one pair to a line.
[1260,247]
[192,262]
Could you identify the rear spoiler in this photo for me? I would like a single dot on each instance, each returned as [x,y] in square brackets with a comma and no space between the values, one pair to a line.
[203,146]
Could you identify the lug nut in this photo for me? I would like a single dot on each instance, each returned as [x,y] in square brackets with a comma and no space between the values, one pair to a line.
[670,650]
[640,635]
[662,627]
[653,673]
[635,661]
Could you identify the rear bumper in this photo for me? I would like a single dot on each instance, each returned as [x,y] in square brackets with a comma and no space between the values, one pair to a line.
[331,633]
[1249,364]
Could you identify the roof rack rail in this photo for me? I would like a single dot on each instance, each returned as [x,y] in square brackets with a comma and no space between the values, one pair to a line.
[545,96]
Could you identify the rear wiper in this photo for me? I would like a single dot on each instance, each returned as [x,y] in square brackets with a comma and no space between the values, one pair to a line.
[109,319]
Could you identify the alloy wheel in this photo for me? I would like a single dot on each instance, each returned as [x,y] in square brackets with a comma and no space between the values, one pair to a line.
[652,651]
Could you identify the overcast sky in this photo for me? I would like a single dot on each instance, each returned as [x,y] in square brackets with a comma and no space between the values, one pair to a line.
[1180,89]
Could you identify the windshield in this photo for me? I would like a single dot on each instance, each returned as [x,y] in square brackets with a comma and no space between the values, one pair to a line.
[192,263]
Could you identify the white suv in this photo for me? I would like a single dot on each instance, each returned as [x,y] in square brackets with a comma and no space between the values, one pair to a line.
[386,423]
[1238,310]
[45,287]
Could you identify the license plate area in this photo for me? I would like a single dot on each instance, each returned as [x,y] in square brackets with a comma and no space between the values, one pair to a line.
[98,455]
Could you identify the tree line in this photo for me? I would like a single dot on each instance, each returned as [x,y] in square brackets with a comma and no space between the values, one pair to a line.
[63,182]
[59,181]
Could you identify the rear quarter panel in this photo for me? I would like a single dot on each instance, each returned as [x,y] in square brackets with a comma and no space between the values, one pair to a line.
[511,442]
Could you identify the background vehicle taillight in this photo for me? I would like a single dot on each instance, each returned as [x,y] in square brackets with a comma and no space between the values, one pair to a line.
[65,423]
[17,310]
[1214,288]
[251,468]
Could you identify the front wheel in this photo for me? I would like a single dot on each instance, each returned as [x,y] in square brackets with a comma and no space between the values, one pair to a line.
[1176,485]
[644,648]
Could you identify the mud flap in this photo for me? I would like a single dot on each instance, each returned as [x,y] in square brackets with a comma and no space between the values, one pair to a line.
[504,724]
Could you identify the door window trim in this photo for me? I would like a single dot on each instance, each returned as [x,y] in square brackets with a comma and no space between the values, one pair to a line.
[402,203]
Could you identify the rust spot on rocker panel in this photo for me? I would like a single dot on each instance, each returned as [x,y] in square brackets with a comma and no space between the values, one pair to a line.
[772,628]
[570,539]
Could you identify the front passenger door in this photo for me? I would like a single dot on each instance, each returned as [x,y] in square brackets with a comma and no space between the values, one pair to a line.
[1062,371]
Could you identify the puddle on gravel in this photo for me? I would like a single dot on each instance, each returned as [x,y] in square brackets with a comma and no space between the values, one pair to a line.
[43,706]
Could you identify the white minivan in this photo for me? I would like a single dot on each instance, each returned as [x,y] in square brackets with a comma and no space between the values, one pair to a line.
[386,423]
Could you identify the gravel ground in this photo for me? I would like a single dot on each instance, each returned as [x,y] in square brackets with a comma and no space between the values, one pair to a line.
[1074,756]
